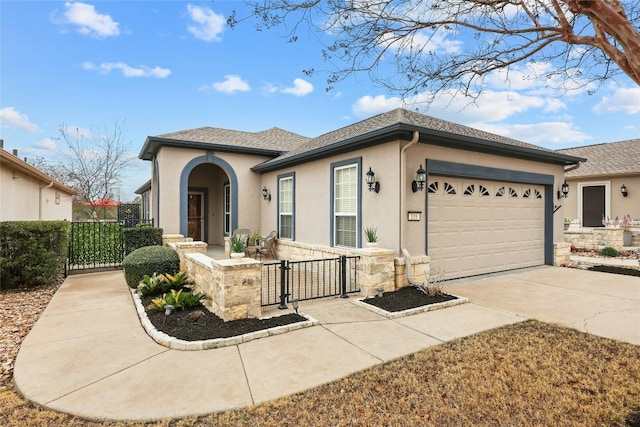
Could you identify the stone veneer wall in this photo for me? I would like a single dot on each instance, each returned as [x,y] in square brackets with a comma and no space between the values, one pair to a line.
[561,254]
[420,270]
[598,238]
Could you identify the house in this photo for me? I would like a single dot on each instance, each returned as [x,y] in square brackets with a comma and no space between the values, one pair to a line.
[608,184]
[145,195]
[28,194]
[474,202]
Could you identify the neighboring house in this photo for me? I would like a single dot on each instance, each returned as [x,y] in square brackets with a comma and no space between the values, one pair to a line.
[608,184]
[486,203]
[28,194]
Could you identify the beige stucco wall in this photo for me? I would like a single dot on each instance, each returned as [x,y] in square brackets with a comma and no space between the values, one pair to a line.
[25,198]
[615,203]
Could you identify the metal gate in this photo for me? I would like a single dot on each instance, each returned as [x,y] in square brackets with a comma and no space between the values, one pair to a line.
[285,281]
[97,245]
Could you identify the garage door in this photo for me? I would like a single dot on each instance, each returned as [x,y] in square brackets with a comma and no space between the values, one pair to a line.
[478,227]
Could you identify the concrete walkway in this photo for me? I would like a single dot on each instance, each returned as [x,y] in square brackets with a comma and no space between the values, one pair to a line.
[89,356]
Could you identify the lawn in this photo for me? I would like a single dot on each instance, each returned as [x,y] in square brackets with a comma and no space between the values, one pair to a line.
[532,374]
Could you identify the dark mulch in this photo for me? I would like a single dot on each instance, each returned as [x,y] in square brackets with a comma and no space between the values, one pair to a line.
[615,270]
[198,323]
[406,298]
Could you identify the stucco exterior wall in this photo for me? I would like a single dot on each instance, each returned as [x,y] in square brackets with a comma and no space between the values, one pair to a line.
[26,198]
[615,204]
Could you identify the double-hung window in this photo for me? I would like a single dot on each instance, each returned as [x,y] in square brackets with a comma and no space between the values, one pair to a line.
[227,210]
[286,211]
[346,204]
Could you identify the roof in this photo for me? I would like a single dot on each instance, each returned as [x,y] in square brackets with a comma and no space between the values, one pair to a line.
[24,167]
[401,123]
[271,142]
[612,158]
[146,187]
[288,149]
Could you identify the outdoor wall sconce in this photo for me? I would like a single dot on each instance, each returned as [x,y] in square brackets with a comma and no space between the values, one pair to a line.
[421,178]
[623,190]
[371,181]
[414,215]
[564,190]
[265,194]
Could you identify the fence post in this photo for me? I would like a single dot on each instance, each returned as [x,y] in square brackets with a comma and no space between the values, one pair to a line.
[283,290]
[343,276]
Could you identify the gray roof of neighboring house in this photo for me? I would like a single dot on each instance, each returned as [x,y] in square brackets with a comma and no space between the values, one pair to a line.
[613,158]
[288,149]
[272,141]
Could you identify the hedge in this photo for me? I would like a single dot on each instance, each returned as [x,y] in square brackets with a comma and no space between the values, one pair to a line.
[32,253]
[141,236]
[148,260]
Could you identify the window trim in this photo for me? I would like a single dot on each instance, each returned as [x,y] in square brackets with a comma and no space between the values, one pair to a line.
[226,190]
[292,176]
[357,161]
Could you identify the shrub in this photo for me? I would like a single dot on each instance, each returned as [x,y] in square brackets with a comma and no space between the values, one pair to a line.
[141,236]
[177,299]
[148,260]
[158,284]
[609,251]
[32,253]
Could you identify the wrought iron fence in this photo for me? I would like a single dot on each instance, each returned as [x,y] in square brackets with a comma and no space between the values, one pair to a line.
[285,281]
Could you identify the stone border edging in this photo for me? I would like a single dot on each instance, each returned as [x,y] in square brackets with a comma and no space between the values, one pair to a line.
[178,344]
[397,314]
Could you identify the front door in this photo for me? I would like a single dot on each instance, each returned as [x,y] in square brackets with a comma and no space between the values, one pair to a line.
[593,206]
[195,216]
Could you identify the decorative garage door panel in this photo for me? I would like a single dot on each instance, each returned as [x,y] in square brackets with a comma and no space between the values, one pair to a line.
[479,227]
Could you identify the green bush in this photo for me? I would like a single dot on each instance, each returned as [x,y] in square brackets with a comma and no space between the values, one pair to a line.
[148,260]
[609,251]
[159,284]
[32,253]
[141,236]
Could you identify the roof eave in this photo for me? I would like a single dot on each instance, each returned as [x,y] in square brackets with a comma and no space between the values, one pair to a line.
[153,144]
[427,136]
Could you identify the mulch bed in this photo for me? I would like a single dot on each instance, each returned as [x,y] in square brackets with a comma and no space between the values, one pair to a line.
[615,270]
[198,323]
[405,299]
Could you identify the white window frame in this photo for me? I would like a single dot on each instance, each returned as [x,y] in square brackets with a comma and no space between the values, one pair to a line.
[607,197]
[226,207]
[356,203]
[283,213]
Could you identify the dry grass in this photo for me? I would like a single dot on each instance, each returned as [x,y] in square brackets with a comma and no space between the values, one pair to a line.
[532,374]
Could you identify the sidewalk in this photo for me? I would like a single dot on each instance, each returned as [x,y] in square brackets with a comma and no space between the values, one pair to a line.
[89,356]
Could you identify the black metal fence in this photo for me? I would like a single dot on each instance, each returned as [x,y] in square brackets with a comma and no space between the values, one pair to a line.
[94,245]
[285,281]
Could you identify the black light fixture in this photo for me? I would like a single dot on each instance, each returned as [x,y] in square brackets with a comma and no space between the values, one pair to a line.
[564,190]
[371,181]
[623,190]
[265,194]
[421,178]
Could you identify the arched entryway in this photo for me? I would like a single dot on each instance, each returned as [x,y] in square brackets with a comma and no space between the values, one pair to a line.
[208,199]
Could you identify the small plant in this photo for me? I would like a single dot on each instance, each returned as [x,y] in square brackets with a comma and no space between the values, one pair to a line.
[177,299]
[151,285]
[177,281]
[434,286]
[237,243]
[609,251]
[161,283]
[567,220]
[371,234]
[254,238]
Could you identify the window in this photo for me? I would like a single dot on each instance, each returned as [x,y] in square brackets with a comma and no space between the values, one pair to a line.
[346,204]
[285,207]
[227,209]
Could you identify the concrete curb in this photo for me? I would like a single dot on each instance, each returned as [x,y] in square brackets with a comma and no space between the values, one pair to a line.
[397,314]
[178,344]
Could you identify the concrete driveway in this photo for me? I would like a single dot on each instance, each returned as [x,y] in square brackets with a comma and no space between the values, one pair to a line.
[602,304]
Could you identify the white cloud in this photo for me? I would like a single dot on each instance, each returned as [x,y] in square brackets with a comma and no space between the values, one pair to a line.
[625,100]
[9,117]
[207,25]
[89,21]
[543,133]
[231,83]
[127,70]
[46,144]
[300,88]
[370,105]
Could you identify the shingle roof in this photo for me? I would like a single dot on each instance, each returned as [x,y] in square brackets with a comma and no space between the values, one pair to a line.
[613,158]
[271,139]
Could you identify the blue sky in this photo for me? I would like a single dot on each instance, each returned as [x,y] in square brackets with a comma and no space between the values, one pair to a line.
[163,66]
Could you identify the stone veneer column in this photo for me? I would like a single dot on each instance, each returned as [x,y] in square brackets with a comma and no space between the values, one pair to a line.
[376,270]
[561,254]
[237,286]
[420,270]
[183,248]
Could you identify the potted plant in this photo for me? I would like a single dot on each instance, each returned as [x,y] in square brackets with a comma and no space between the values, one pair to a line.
[626,234]
[567,223]
[237,246]
[371,234]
